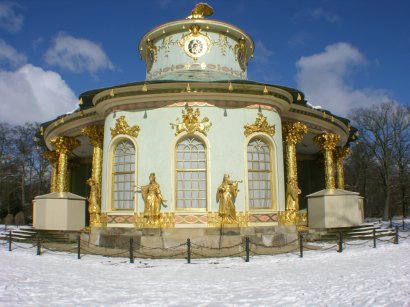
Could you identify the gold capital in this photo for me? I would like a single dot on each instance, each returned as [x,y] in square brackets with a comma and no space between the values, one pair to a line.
[327,141]
[294,132]
[64,144]
[340,153]
[95,134]
[51,156]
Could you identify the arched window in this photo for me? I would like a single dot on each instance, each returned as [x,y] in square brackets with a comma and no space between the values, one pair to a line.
[123,176]
[259,174]
[190,174]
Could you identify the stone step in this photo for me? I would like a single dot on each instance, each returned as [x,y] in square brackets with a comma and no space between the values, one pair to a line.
[364,232]
[31,235]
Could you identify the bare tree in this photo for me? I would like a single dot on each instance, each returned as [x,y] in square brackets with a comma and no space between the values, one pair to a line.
[22,167]
[384,132]
[401,151]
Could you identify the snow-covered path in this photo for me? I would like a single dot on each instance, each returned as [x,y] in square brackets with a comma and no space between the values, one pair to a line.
[360,276]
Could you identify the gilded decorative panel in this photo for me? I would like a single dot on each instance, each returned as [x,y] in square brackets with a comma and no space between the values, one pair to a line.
[263,218]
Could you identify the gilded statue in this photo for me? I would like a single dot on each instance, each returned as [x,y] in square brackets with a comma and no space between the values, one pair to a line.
[226,195]
[292,196]
[291,215]
[201,10]
[94,202]
[153,200]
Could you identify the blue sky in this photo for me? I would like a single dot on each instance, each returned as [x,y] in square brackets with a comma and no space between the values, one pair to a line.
[342,54]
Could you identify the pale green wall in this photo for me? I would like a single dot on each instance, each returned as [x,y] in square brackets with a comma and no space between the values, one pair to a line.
[169,58]
[156,142]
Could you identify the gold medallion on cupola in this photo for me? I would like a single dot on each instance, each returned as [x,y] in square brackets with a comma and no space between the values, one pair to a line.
[195,43]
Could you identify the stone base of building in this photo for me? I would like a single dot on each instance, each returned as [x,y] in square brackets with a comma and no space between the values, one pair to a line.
[205,242]
[59,211]
[334,208]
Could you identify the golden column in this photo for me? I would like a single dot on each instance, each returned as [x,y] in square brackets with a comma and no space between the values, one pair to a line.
[340,154]
[292,134]
[63,146]
[328,141]
[96,135]
[51,156]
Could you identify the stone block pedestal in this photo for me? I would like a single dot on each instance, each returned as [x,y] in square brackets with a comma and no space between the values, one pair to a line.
[59,211]
[334,208]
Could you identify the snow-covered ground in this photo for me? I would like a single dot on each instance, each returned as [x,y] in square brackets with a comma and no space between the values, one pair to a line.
[360,276]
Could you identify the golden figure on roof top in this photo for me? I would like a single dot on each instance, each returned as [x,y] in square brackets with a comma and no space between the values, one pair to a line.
[201,10]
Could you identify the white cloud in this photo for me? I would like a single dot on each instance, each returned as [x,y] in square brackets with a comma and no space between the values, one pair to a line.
[320,13]
[10,56]
[9,19]
[33,94]
[77,55]
[324,79]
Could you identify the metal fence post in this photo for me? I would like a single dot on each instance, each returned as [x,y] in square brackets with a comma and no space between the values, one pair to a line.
[374,237]
[301,245]
[131,250]
[188,246]
[340,242]
[38,245]
[396,235]
[10,235]
[78,247]
[247,249]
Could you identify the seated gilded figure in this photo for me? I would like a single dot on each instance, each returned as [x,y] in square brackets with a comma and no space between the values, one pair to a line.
[153,200]
[226,195]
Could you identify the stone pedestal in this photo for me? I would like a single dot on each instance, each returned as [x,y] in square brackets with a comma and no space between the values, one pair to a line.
[333,208]
[59,211]
[226,241]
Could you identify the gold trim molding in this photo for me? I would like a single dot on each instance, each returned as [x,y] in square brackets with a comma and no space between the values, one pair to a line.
[260,125]
[293,217]
[166,220]
[191,123]
[215,220]
[122,127]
